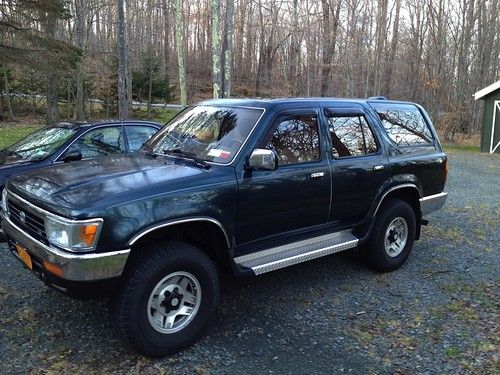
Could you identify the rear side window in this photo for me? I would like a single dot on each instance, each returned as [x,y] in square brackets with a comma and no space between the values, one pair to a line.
[404,124]
[351,136]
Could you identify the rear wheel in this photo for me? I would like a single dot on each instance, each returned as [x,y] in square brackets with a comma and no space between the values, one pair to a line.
[393,236]
[167,299]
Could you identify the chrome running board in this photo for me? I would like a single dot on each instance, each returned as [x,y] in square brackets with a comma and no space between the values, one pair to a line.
[297,252]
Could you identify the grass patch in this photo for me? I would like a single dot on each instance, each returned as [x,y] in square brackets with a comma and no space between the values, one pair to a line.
[11,134]
[459,147]
[13,131]
[452,352]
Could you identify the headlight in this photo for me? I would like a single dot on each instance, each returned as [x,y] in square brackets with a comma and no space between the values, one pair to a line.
[4,200]
[73,235]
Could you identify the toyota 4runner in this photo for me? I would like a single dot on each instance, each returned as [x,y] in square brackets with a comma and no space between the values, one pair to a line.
[239,186]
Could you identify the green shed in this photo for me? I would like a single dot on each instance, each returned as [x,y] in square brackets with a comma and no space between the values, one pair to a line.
[490,133]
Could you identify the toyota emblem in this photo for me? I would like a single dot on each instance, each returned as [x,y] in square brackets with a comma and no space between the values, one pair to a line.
[22,217]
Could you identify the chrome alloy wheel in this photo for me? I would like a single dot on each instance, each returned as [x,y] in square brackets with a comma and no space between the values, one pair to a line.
[396,237]
[174,302]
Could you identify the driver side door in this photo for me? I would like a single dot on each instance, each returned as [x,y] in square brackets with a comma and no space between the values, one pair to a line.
[294,197]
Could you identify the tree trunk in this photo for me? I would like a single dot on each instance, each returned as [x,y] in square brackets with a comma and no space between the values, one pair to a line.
[380,44]
[123,107]
[329,41]
[216,60]
[294,51]
[166,31]
[392,55]
[7,93]
[80,20]
[327,51]
[228,49]
[179,40]
[52,95]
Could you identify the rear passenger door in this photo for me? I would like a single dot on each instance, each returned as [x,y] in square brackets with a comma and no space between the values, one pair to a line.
[358,164]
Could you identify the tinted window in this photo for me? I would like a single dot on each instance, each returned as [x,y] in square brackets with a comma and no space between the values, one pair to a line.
[99,142]
[296,140]
[404,124]
[138,135]
[351,136]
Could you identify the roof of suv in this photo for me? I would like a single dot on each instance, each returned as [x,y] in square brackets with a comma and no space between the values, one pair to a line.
[270,103]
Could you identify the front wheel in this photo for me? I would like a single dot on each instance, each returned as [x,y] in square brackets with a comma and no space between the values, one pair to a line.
[393,236]
[167,299]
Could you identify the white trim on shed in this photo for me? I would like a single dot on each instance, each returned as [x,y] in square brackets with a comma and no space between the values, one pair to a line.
[496,108]
[487,90]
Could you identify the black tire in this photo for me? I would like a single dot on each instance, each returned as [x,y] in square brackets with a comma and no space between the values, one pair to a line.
[131,304]
[374,252]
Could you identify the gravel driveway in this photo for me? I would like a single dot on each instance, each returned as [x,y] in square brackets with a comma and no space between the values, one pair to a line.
[438,314]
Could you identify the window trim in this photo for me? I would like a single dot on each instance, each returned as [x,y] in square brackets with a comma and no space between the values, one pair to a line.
[287,114]
[354,114]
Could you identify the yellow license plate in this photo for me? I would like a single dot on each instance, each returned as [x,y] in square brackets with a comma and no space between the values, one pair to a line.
[24,255]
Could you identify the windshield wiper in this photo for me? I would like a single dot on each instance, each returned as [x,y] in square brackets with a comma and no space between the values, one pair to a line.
[186,155]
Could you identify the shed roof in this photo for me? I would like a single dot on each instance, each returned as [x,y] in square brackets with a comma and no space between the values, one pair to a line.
[487,90]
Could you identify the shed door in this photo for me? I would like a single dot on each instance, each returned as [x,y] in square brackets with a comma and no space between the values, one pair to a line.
[496,118]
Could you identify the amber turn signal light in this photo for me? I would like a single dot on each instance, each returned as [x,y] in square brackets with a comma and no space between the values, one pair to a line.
[88,233]
[53,269]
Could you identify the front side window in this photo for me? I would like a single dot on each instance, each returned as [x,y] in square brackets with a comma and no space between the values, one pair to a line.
[296,140]
[351,136]
[209,133]
[39,145]
[404,124]
[99,142]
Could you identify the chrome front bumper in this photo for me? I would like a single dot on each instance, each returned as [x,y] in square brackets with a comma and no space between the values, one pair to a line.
[432,203]
[75,267]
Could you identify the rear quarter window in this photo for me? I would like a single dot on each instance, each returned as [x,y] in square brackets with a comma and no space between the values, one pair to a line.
[404,124]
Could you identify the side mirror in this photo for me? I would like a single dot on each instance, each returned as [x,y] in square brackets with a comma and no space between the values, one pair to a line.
[263,159]
[72,156]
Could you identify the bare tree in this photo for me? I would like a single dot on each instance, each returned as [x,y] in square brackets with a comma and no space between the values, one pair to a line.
[179,41]
[123,106]
[216,53]
[227,56]
[80,25]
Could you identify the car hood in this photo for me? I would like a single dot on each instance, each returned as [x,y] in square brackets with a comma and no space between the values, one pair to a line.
[78,185]
[8,169]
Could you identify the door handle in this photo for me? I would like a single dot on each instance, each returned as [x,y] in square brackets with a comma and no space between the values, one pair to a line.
[378,168]
[317,174]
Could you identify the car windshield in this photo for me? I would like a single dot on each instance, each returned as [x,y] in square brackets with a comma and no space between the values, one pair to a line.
[208,133]
[39,145]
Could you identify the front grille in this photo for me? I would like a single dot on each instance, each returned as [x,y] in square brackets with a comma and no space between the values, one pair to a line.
[28,221]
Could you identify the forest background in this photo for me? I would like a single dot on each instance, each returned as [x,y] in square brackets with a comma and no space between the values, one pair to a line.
[86,59]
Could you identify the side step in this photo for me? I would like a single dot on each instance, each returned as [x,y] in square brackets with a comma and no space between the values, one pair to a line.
[297,252]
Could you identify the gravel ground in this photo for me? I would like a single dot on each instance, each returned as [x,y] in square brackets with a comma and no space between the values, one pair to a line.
[437,314]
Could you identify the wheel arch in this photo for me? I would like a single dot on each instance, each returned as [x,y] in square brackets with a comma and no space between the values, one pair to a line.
[408,193]
[205,233]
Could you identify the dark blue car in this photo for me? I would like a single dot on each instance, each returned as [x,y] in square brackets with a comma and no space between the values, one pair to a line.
[66,142]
